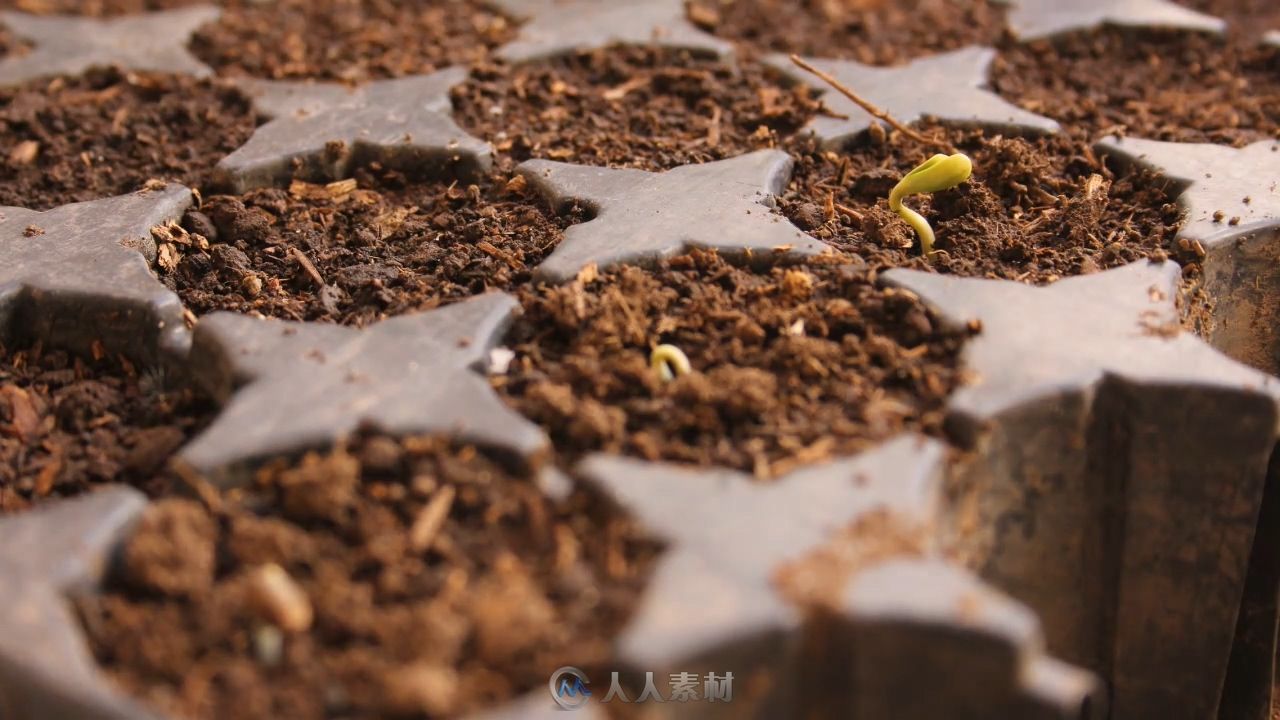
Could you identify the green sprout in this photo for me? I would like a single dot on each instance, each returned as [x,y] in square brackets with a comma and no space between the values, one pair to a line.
[940,172]
[669,362]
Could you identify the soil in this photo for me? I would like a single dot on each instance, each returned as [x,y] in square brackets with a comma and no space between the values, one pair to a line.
[349,40]
[107,133]
[1035,210]
[1248,20]
[1173,86]
[789,365]
[643,108]
[94,8]
[357,251]
[67,424]
[412,578]
[877,32]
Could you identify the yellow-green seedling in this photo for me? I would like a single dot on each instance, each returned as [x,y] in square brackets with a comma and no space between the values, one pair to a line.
[940,172]
[669,362]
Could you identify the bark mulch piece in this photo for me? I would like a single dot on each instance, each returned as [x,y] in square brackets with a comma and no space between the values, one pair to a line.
[630,107]
[1174,86]
[96,8]
[107,133]
[349,40]
[67,424]
[874,32]
[791,365]
[400,578]
[359,250]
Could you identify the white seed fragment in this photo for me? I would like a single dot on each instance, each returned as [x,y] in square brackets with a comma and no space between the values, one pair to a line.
[500,360]
[279,600]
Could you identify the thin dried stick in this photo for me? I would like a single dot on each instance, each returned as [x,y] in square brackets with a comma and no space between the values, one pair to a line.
[307,265]
[871,109]
[849,211]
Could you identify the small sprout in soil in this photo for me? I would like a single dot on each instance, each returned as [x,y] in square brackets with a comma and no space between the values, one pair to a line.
[669,362]
[940,172]
[268,645]
[279,600]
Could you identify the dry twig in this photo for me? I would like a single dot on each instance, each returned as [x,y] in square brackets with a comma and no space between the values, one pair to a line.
[871,109]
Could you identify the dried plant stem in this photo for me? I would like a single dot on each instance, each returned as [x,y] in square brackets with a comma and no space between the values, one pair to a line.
[308,266]
[870,108]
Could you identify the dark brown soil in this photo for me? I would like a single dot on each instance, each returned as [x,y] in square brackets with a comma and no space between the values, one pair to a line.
[94,8]
[1175,86]
[630,107]
[67,424]
[351,40]
[1035,210]
[878,32]
[106,133]
[392,618]
[1248,20]
[379,246]
[790,365]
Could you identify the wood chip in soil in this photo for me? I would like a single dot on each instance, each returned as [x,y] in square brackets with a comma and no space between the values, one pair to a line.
[359,250]
[317,593]
[349,40]
[876,32]
[68,424]
[1173,86]
[106,133]
[791,365]
[643,108]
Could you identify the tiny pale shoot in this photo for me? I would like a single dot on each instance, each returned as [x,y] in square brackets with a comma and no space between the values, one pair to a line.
[940,172]
[669,362]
